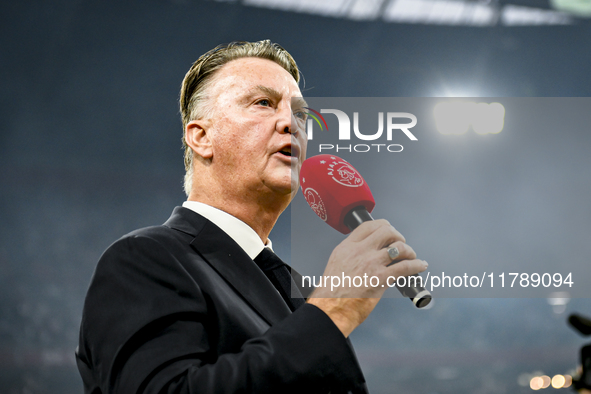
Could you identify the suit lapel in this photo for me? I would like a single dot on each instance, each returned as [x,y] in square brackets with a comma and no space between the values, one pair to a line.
[232,263]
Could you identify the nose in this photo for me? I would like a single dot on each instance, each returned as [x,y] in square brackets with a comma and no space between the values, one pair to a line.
[285,123]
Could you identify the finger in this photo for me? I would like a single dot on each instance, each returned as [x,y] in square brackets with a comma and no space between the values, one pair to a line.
[365,229]
[384,236]
[407,267]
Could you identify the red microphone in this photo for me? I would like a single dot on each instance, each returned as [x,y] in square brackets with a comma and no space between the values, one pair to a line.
[339,195]
[332,188]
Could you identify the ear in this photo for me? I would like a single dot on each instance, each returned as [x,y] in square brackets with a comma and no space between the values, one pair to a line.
[197,137]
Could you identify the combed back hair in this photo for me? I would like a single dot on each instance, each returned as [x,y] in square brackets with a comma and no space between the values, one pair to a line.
[193,100]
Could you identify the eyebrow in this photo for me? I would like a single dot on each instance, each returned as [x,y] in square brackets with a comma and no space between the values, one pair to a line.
[298,102]
[276,95]
[266,90]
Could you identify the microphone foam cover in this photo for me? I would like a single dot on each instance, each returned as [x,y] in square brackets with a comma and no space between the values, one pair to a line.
[332,188]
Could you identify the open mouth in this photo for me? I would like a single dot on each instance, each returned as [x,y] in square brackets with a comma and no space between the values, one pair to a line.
[289,150]
[285,152]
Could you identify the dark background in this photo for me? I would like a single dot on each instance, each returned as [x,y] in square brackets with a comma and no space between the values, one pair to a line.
[90,149]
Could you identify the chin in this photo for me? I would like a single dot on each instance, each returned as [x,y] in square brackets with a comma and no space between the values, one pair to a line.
[283,182]
[295,185]
[282,186]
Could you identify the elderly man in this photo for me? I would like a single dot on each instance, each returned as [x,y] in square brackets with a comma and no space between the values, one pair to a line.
[200,304]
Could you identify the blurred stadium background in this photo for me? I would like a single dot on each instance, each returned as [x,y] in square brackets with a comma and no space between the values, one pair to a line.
[90,149]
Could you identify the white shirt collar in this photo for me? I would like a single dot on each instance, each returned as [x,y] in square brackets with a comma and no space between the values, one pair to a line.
[239,231]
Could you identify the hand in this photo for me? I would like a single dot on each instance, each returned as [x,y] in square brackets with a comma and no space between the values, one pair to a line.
[363,254]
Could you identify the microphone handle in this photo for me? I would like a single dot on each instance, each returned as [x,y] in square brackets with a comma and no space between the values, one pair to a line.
[580,323]
[420,296]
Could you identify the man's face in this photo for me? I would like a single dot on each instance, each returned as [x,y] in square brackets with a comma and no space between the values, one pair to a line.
[255,107]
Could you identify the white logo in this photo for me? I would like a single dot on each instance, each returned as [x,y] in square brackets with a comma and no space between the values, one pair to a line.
[344,174]
[315,202]
[391,126]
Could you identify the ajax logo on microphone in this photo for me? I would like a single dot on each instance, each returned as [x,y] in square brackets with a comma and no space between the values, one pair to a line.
[395,122]
[315,202]
[343,173]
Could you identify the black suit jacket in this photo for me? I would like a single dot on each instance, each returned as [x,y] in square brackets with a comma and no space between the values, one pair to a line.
[181,308]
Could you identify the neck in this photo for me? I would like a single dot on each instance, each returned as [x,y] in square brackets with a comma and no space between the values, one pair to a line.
[259,210]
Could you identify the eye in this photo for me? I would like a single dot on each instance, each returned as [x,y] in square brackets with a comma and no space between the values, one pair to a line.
[300,114]
[264,102]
